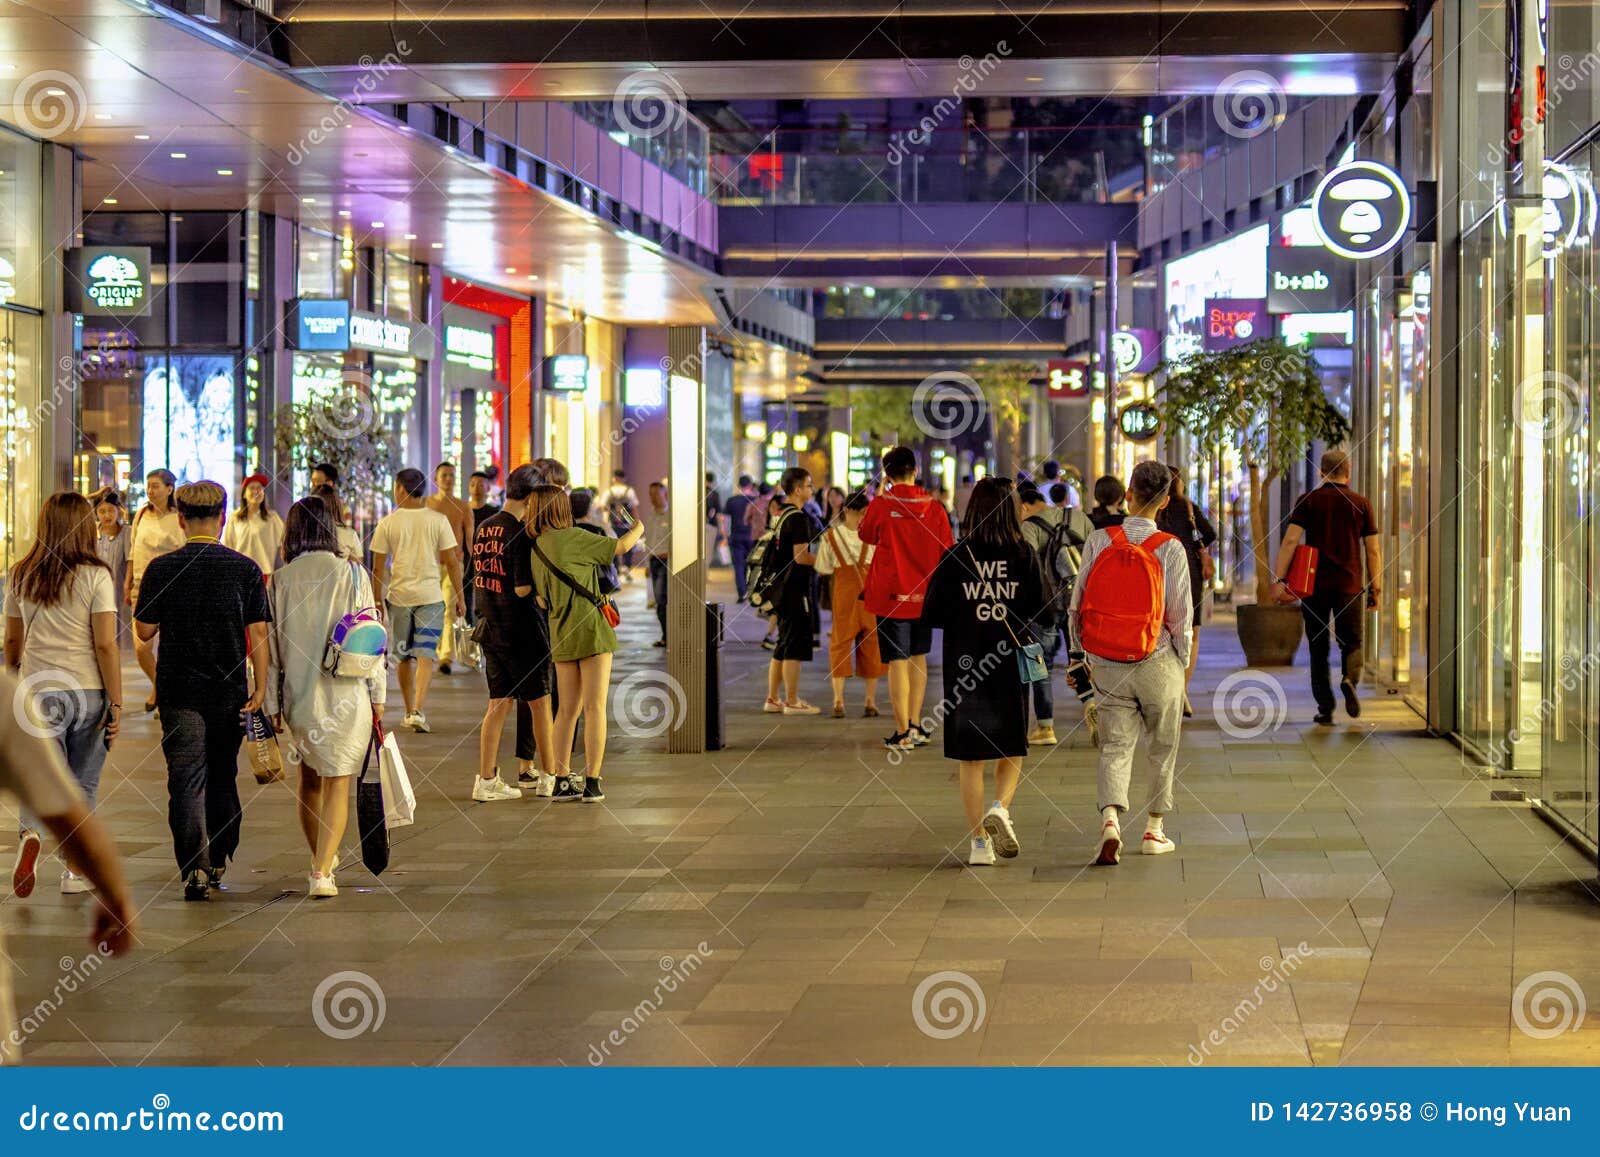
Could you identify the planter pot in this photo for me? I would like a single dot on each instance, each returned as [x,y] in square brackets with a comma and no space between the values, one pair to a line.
[1270,635]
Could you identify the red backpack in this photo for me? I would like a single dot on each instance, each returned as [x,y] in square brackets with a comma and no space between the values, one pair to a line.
[1123,604]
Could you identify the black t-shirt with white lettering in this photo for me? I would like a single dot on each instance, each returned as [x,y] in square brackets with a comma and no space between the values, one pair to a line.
[203,596]
[501,553]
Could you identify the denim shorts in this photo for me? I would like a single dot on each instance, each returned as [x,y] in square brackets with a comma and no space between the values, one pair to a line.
[414,631]
[903,639]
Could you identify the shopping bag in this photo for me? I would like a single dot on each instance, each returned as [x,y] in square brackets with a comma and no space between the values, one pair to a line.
[370,825]
[266,760]
[399,801]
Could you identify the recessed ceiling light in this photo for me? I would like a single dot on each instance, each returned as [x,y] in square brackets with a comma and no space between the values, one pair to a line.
[511,269]
[178,156]
[110,201]
[102,116]
[344,212]
[1034,79]
[377,224]
[308,200]
[224,172]
[363,154]
[55,92]
[141,136]
[437,245]
[241,92]
[533,277]
[411,236]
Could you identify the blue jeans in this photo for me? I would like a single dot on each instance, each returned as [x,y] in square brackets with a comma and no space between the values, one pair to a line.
[1048,636]
[202,750]
[739,554]
[658,590]
[76,719]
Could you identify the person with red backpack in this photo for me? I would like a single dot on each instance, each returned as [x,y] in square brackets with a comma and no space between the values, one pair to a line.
[1130,616]
[910,530]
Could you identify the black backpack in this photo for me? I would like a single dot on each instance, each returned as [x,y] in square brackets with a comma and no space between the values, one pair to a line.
[1059,560]
[764,570]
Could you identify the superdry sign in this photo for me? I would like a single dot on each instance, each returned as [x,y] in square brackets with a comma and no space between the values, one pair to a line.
[1308,279]
[1231,321]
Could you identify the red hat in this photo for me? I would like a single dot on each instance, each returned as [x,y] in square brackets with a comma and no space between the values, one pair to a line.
[261,478]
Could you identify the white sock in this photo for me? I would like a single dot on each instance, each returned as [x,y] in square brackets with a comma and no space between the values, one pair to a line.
[1108,813]
[997,806]
[1153,824]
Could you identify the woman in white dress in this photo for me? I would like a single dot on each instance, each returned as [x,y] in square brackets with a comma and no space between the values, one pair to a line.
[255,530]
[155,532]
[328,719]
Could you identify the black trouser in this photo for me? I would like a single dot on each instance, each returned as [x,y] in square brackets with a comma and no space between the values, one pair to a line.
[1347,613]
[202,749]
[658,590]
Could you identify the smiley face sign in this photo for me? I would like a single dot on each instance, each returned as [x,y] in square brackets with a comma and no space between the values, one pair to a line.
[1361,209]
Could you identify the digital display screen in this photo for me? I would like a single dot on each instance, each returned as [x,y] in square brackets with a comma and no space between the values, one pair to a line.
[1234,268]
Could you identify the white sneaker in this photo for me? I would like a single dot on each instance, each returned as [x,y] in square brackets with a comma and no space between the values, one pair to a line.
[545,788]
[1156,843]
[321,887]
[773,707]
[490,790]
[801,708]
[73,884]
[1110,843]
[982,854]
[417,721]
[997,825]
[25,873]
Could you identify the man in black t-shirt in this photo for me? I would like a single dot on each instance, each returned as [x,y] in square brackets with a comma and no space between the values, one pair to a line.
[208,605]
[1339,523]
[797,530]
[514,637]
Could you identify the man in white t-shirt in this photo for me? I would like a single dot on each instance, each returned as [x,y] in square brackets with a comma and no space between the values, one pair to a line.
[413,549]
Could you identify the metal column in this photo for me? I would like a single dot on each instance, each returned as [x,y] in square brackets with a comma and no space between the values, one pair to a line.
[686,579]
[1108,357]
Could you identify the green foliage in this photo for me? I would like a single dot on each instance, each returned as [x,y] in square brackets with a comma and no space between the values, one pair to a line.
[880,415]
[343,429]
[1008,390]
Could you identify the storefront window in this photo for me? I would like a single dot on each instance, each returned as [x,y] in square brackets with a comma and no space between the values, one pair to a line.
[19,221]
[324,265]
[23,424]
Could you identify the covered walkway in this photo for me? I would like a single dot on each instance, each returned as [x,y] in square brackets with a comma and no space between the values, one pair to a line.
[1346,895]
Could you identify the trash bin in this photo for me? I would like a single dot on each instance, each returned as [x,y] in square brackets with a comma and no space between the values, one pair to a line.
[715,718]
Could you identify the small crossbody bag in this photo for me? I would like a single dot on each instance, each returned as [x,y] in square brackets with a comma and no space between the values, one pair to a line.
[607,608]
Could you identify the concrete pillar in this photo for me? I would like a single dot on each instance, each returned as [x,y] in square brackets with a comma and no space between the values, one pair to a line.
[686,581]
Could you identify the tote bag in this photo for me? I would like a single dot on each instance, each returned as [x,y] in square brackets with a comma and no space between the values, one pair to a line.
[370,825]
[399,801]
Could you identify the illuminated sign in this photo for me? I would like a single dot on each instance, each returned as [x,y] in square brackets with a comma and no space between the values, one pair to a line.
[470,347]
[1139,421]
[1231,321]
[566,373]
[1308,280]
[1067,379]
[106,281]
[1569,208]
[370,331]
[1361,209]
[320,324]
[1236,267]
[1136,351]
[643,388]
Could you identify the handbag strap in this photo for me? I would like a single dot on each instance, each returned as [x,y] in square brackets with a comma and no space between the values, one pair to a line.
[1005,620]
[568,579]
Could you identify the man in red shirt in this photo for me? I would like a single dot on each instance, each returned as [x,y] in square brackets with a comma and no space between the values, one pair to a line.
[911,531]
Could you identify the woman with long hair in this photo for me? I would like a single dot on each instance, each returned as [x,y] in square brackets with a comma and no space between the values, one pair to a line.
[985,593]
[582,639]
[329,719]
[255,530]
[61,636]
[113,542]
[155,532]
[1183,520]
[349,540]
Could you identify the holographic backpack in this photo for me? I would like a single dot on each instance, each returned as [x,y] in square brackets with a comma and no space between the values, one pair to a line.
[358,645]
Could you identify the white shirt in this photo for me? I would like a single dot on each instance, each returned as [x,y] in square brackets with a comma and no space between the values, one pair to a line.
[412,539]
[657,531]
[855,552]
[153,536]
[258,539]
[349,542]
[61,638]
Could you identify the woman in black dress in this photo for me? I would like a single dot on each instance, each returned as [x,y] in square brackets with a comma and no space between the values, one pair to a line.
[984,595]
[1182,519]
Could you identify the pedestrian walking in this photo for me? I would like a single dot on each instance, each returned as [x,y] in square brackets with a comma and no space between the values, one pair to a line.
[1130,616]
[984,592]
[1182,519]
[793,605]
[458,514]
[329,719]
[61,637]
[208,605]
[157,530]
[1338,523]
[853,641]
[255,530]
[657,544]
[741,535]
[414,550]
[113,542]
[1109,493]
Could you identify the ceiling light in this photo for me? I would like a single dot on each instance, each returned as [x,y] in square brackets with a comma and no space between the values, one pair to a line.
[308,200]
[178,156]
[511,269]
[377,224]
[224,172]
[437,245]
[141,136]
[344,212]
[1034,79]
[110,201]
[55,92]
[241,92]
[102,116]
[411,236]
[533,277]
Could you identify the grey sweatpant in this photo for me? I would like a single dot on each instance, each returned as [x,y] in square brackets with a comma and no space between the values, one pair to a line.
[1138,698]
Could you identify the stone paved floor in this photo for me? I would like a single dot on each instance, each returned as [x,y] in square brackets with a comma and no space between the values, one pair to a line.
[782,902]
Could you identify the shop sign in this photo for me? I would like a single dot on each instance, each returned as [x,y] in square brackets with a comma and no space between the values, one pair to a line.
[107,281]
[567,373]
[1067,379]
[1308,279]
[321,324]
[1231,321]
[1136,351]
[1361,209]
[466,345]
[643,388]
[1569,208]
[383,335]
[1139,421]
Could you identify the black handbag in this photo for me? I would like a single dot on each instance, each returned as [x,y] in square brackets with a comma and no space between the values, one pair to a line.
[370,823]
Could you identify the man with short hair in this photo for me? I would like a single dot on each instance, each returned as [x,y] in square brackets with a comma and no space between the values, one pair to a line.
[459,515]
[657,541]
[209,606]
[740,537]
[421,548]
[911,531]
[1339,523]
[796,530]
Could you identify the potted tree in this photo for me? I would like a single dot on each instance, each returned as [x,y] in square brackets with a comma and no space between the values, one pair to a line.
[1266,399]
[343,428]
